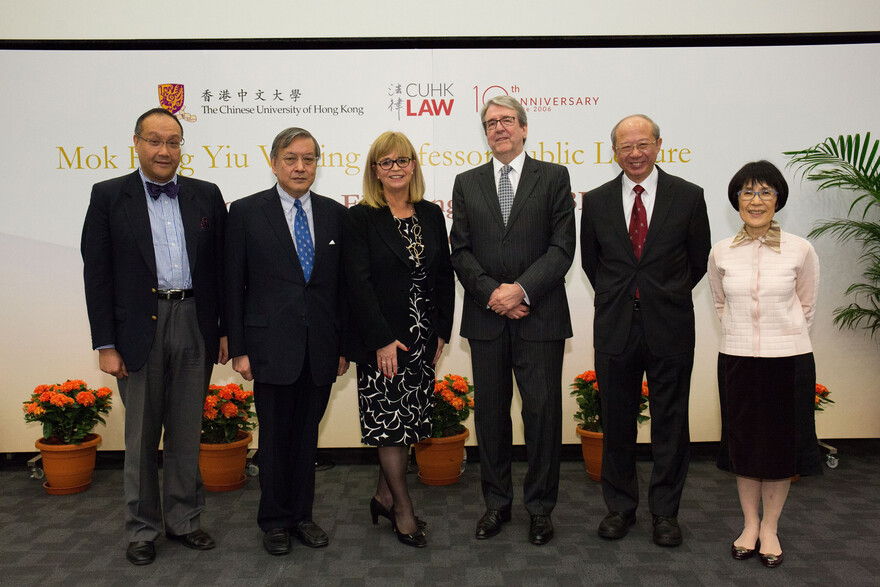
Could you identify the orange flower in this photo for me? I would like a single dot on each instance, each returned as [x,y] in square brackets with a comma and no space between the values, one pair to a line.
[46,396]
[817,399]
[210,414]
[85,398]
[40,389]
[243,395]
[224,393]
[60,400]
[103,392]
[72,385]
[34,409]
[457,403]
[211,401]
[644,388]
[460,385]
[229,410]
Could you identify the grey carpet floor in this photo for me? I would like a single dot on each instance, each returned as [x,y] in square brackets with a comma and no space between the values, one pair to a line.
[830,533]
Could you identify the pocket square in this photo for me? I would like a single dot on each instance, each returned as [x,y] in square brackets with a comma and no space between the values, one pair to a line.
[332,242]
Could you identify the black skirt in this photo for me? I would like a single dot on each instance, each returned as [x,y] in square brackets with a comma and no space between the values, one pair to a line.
[768,425]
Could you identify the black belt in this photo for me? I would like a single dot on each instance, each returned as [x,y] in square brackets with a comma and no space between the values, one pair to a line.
[175,294]
[637,304]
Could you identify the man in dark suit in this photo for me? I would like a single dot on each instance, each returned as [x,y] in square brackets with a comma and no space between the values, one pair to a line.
[285,311]
[644,246]
[513,240]
[152,247]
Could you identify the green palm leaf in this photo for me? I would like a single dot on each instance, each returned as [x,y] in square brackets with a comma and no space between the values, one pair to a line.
[853,164]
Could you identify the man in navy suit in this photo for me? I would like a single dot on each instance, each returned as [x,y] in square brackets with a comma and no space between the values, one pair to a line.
[513,240]
[152,247]
[286,312]
[644,246]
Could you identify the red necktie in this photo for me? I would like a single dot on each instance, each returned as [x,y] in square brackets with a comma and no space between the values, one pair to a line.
[638,223]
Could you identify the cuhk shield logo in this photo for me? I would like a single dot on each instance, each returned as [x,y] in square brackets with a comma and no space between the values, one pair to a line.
[171,99]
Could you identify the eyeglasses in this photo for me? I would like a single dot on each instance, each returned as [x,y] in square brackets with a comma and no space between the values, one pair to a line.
[389,163]
[506,122]
[749,195]
[173,144]
[641,147]
[307,160]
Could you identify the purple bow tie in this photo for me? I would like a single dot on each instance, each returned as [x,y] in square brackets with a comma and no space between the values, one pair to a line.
[156,190]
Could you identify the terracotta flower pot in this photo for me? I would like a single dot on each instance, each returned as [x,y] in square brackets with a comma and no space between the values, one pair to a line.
[591,446]
[222,465]
[68,467]
[440,459]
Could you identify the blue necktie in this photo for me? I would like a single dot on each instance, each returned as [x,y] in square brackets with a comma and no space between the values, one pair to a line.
[505,193]
[304,247]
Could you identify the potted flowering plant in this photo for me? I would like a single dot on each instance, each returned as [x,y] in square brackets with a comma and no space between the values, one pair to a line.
[585,390]
[69,412]
[440,457]
[227,420]
[822,398]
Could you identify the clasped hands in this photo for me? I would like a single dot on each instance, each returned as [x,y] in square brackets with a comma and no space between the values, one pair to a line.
[508,300]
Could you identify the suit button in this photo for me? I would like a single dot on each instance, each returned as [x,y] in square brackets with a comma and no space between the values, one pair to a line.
[153,317]
[153,290]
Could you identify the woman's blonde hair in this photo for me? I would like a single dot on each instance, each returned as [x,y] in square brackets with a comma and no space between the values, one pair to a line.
[391,142]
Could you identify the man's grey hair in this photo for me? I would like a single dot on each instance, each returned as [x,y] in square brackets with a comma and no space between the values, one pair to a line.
[506,102]
[286,136]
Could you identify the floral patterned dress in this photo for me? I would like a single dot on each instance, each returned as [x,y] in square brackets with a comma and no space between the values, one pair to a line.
[397,411]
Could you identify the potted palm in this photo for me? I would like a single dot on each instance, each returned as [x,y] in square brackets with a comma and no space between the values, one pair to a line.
[851,164]
[440,457]
[68,412]
[227,421]
[585,390]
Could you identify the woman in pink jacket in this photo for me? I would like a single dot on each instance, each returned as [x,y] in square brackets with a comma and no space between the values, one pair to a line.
[764,282]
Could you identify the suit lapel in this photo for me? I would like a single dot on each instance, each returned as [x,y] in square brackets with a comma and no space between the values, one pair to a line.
[135,205]
[527,181]
[662,205]
[321,217]
[386,226]
[189,214]
[278,222]
[617,216]
[486,179]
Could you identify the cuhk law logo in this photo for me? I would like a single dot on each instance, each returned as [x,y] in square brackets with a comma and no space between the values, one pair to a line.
[171,99]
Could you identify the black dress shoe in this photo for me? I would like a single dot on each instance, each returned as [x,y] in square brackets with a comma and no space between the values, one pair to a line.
[490,524]
[277,541]
[770,560]
[141,552]
[742,553]
[666,531]
[540,529]
[197,539]
[377,509]
[310,534]
[615,525]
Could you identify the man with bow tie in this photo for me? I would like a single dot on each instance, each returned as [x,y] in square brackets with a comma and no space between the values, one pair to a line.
[286,312]
[152,248]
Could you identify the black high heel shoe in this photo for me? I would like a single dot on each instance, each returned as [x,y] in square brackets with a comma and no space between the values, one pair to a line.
[377,509]
[417,539]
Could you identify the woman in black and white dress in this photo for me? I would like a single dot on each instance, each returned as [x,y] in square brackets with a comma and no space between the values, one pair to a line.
[402,293]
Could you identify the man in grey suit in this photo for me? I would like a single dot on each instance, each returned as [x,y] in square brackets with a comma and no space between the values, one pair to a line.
[644,246]
[152,247]
[513,240]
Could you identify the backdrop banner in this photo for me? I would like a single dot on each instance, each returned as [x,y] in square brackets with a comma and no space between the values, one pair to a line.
[69,118]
